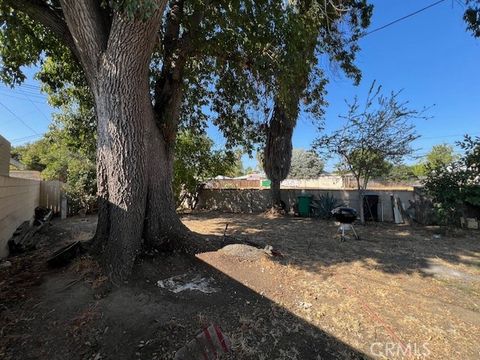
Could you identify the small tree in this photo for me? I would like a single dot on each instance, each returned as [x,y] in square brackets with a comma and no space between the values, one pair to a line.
[305,165]
[441,154]
[456,184]
[375,135]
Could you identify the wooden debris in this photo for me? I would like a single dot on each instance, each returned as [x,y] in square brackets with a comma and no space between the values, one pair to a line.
[23,238]
[65,255]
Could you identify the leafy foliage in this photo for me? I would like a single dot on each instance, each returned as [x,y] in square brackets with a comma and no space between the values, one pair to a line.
[59,157]
[315,29]
[455,184]
[196,162]
[401,173]
[442,154]
[305,164]
[472,17]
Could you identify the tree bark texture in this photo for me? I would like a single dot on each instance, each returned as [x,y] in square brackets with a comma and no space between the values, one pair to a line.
[278,150]
[135,140]
[163,228]
[115,57]
[124,113]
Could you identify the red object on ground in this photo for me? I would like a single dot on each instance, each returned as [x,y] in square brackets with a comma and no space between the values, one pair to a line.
[207,345]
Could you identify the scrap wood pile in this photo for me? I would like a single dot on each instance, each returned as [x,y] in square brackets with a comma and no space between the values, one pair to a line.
[23,238]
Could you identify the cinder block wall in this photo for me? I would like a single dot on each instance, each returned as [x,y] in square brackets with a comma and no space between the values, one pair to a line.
[18,199]
[257,200]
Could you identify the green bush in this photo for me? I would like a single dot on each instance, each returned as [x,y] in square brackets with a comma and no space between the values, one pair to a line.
[455,185]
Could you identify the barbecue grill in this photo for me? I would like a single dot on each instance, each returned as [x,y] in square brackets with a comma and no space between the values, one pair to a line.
[345,216]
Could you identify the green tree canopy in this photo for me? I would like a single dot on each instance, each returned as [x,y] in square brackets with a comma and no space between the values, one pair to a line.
[455,184]
[306,164]
[152,67]
[196,162]
[62,155]
[440,155]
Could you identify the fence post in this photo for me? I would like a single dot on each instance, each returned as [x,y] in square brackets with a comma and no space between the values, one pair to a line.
[63,206]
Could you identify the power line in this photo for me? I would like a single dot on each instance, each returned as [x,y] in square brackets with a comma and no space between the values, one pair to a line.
[36,107]
[31,94]
[31,137]
[19,119]
[22,98]
[403,18]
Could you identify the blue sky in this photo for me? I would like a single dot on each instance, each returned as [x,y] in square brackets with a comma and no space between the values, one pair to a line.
[430,56]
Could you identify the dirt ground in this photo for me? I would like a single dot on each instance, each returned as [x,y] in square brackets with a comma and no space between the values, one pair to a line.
[399,292]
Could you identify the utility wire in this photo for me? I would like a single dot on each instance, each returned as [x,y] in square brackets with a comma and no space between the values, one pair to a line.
[31,137]
[36,107]
[19,119]
[21,98]
[403,18]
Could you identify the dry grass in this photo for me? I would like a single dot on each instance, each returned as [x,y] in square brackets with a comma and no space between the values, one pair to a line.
[398,285]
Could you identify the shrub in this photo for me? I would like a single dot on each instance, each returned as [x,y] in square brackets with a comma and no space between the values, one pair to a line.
[325,204]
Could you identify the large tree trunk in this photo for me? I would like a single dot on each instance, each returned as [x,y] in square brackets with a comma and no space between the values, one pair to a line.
[163,228]
[123,111]
[278,151]
[276,194]
[135,153]
[120,85]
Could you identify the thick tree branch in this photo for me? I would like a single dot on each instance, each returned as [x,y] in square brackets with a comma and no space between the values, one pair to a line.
[87,25]
[177,49]
[168,84]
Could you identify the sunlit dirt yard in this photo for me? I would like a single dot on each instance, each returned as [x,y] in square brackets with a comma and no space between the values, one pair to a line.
[400,292]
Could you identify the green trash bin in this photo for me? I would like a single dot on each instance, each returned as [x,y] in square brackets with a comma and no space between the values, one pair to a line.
[304,202]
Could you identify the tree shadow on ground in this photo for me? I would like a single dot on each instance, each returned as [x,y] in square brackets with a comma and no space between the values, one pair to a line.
[67,318]
[313,244]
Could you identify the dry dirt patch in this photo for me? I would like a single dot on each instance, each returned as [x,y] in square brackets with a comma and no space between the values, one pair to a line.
[400,292]
[397,293]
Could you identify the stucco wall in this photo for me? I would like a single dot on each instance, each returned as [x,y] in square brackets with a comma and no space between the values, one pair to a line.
[325,182]
[18,199]
[257,200]
[4,156]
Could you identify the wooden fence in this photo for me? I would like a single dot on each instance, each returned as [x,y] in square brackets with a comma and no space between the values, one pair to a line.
[51,195]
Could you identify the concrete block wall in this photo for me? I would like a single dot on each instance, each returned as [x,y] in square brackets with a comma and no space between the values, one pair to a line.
[18,199]
[257,200]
